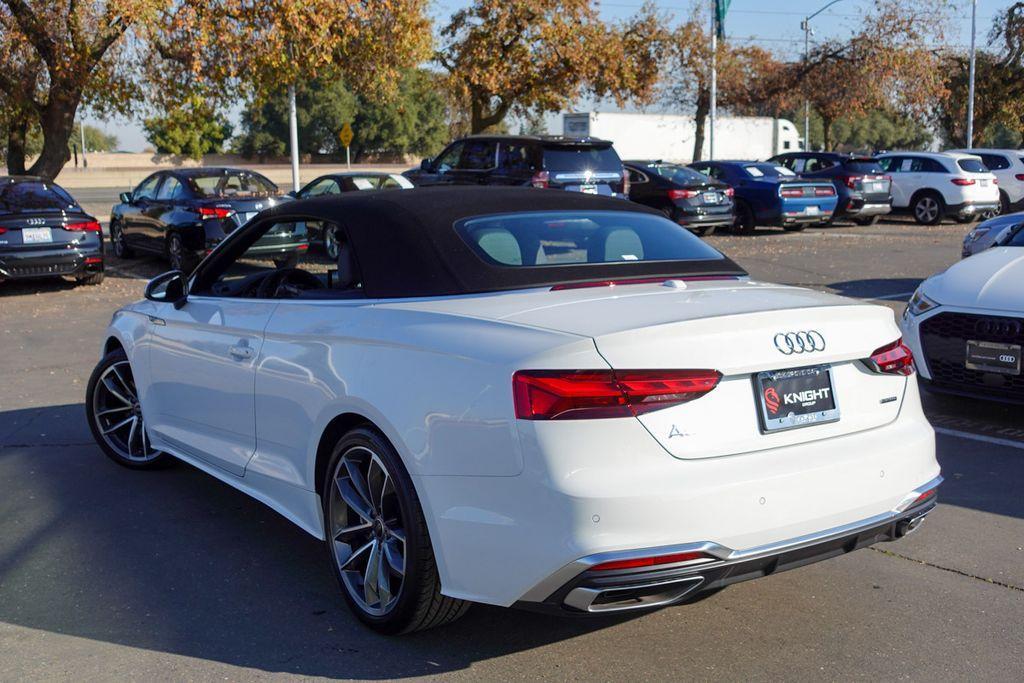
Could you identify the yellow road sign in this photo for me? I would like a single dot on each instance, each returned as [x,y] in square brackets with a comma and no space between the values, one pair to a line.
[345,135]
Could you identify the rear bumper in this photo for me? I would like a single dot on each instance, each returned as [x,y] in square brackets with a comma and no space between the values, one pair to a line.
[861,208]
[50,263]
[970,208]
[691,218]
[580,589]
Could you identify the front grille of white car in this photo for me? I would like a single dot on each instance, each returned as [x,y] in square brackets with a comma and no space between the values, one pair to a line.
[944,343]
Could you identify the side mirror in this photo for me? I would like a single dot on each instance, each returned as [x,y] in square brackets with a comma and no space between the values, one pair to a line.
[170,287]
[125,197]
[427,165]
[293,194]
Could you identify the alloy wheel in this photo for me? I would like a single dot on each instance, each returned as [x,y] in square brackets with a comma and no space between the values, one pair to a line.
[331,242]
[118,414]
[117,240]
[366,531]
[176,253]
[926,210]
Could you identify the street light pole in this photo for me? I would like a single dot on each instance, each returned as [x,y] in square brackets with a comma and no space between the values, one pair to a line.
[806,26]
[81,132]
[293,137]
[970,78]
[714,79]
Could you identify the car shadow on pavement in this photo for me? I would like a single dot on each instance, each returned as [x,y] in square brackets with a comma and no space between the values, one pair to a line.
[877,288]
[175,561]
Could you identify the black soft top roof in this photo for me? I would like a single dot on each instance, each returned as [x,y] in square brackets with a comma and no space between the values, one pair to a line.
[406,244]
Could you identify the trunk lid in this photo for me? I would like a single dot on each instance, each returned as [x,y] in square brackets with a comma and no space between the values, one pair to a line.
[40,231]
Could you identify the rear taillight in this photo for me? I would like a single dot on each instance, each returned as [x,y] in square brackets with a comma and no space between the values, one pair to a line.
[637,562]
[824,191]
[84,226]
[792,192]
[1019,176]
[540,179]
[852,180]
[591,394]
[892,359]
[3,230]
[729,192]
[963,181]
[215,212]
[995,181]
[682,194]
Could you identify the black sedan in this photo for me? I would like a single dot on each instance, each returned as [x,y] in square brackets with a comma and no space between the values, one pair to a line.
[184,213]
[689,198]
[337,183]
[45,233]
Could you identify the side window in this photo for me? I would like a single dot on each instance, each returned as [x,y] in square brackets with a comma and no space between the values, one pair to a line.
[636,177]
[796,165]
[147,188]
[932,166]
[170,190]
[449,158]
[514,156]
[324,186]
[478,155]
[995,162]
[389,183]
[910,165]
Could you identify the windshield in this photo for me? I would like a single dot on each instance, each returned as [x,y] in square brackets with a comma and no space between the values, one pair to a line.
[767,170]
[572,158]
[972,165]
[677,174]
[578,237]
[35,195]
[1017,240]
[232,184]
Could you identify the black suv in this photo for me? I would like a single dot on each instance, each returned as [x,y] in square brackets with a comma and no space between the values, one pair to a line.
[863,187]
[577,164]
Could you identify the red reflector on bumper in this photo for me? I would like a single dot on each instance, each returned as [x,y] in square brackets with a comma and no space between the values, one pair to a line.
[650,561]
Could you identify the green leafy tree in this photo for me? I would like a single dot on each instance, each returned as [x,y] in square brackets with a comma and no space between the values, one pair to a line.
[411,121]
[96,140]
[191,129]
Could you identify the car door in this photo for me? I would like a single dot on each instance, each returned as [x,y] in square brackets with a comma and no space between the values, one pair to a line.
[135,217]
[516,164]
[203,358]
[478,161]
[443,168]
[160,213]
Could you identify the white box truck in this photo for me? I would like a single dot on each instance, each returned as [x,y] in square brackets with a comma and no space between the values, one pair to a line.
[663,136]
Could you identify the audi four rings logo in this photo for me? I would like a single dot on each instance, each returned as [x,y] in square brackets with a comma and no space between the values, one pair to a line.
[789,343]
[998,327]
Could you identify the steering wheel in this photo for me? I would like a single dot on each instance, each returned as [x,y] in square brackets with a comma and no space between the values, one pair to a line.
[287,283]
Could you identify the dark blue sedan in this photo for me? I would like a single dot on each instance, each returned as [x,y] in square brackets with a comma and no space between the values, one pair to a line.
[772,195]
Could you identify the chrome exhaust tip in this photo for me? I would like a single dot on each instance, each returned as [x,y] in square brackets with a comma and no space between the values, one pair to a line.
[622,598]
[908,526]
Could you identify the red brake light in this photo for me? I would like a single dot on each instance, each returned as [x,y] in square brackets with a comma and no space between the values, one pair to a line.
[729,192]
[590,394]
[851,181]
[792,192]
[650,561]
[215,212]
[995,181]
[963,181]
[3,230]
[1019,176]
[84,226]
[893,359]
[682,194]
[824,191]
[540,179]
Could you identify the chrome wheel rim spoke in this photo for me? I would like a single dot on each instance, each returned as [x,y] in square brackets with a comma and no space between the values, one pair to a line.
[113,398]
[366,531]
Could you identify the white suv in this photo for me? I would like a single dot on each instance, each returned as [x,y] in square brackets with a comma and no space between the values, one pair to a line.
[1008,167]
[933,185]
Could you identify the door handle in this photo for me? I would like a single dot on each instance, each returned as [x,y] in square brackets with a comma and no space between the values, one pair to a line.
[157,321]
[241,352]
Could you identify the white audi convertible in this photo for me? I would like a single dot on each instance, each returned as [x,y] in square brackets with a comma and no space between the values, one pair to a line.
[966,326]
[522,397]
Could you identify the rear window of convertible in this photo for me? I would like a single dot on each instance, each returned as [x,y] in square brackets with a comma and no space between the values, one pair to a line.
[579,237]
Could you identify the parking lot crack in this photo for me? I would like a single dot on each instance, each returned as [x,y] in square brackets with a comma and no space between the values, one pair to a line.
[968,575]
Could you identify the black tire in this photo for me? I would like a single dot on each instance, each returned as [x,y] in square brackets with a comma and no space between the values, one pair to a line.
[704,231]
[178,255]
[928,208]
[394,513]
[967,220]
[1004,202]
[90,278]
[865,220]
[115,369]
[795,227]
[118,243]
[745,224]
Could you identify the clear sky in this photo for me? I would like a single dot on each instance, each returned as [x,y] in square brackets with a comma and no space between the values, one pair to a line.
[773,24]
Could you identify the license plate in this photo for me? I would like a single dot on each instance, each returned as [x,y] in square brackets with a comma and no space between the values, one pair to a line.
[983,183]
[789,399]
[710,197]
[811,210]
[1003,359]
[36,235]
[874,187]
[588,189]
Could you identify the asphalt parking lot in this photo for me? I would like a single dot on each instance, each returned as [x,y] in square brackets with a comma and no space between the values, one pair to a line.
[109,573]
